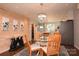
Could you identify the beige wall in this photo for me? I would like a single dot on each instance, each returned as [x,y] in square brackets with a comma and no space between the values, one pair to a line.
[60,16]
[76,29]
[6,35]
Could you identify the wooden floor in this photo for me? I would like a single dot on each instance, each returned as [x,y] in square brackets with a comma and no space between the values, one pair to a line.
[71,50]
[11,53]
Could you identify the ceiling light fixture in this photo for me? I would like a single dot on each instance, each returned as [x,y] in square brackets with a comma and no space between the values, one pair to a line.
[42,16]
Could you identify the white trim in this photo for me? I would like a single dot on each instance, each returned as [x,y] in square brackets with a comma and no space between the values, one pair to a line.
[4,50]
[76,47]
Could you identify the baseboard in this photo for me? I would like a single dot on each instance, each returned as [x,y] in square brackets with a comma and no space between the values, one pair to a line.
[4,50]
[76,47]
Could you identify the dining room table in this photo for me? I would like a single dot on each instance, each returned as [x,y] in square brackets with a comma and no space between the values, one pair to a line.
[41,45]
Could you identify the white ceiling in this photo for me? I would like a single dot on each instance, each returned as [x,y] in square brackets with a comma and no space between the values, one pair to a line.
[32,9]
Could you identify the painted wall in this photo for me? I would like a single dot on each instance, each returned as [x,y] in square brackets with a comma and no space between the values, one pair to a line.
[76,29]
[6,35]
[60,16]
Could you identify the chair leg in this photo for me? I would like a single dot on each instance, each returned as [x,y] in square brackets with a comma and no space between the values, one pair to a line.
[38,53]
[30,53]
[41,52]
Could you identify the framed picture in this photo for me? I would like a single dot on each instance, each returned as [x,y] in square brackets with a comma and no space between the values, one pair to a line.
[15,25]
[21,26]
[5,23]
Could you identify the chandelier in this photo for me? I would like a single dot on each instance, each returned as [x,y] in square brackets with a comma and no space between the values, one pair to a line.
[42,16]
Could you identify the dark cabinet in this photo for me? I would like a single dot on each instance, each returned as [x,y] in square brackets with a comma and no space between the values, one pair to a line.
[67,32]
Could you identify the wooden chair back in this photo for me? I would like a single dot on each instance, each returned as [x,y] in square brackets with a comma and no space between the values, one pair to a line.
[37,36]
[27,45]
[54,44]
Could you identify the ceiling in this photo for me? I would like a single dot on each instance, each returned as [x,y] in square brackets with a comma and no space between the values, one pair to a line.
[32,9]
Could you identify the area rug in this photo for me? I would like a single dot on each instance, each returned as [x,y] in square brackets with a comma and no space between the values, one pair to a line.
[63,52]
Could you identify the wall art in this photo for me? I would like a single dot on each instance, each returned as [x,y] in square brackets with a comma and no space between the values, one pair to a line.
[15,25]
[5,23]
[21,26]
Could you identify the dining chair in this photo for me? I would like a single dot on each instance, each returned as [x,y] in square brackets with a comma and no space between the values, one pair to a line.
[31,48]
[37,36]
[53,46]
